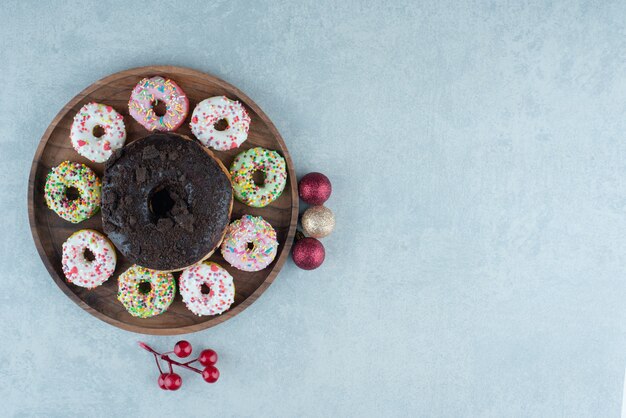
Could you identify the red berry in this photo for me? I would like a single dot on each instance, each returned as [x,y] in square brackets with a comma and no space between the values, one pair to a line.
[172,381]
[210,374]
[182,349]
[208,358]
[162,381]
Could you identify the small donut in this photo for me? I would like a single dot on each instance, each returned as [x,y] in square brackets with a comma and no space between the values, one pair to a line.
[81,271]
[151,90]
[273,167]
[209,111]
[73,175]
[241,233]
[86,143]
[222,289]
[145,293]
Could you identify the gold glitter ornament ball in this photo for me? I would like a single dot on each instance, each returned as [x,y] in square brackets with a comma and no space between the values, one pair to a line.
[318,221]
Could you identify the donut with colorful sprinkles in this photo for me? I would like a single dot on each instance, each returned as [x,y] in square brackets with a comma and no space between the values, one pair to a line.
[147,93]
[88,119]
[81,271]
[213,110]
[274,171]
[145,293]
[250,243]
[71,175]
[221,292]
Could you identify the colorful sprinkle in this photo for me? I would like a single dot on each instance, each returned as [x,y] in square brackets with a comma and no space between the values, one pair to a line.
[70,174]
[258,159]
[209,111]
[217,279]
[82,272]
[97,149]
[151,303]
[250,230]
[150,90]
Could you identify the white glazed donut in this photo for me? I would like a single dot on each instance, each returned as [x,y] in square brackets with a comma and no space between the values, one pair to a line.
[217,279]
[209,111]
[82,272]
[97,149]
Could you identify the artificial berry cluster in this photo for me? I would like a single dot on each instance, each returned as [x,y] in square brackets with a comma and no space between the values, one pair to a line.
[182,349]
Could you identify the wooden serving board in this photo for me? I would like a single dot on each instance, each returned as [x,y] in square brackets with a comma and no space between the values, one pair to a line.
[50,231]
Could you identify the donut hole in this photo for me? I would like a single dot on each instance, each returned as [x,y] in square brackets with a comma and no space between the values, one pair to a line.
[221,125]
[159,107]
[72,193]
[89,255]
[250,246]
[205,289]
[98,131]
[160,203]
[258,177]
[144,288]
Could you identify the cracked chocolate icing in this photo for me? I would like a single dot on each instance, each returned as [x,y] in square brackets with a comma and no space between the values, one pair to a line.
[166,201]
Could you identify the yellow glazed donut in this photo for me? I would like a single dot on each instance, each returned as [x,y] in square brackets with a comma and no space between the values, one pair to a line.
[144,292]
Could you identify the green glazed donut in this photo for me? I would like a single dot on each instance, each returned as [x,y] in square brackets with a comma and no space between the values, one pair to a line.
[274,170]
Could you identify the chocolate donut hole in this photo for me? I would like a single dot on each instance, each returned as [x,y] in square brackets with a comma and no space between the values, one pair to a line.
[161,203]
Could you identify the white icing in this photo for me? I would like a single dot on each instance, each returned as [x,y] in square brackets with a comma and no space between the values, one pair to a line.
[86,143]
[222,293]
[210,111]
[82,272]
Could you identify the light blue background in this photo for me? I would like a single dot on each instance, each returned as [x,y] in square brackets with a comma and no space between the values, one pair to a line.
[477,153]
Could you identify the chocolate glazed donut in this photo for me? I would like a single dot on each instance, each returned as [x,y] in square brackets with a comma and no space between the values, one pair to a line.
[166,201]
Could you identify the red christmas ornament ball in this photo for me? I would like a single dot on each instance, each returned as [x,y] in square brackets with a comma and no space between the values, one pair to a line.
[314,188]
[308,253]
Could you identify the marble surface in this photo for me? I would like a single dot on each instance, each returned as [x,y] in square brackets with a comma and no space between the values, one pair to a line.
[477,155]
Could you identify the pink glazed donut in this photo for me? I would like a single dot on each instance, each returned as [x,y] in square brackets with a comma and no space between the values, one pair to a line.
[250,243]
[147,93]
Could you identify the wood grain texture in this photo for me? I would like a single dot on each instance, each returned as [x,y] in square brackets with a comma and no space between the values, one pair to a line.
[50,231]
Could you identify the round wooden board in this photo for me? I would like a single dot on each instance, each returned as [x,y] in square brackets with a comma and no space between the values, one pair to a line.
[50,231]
